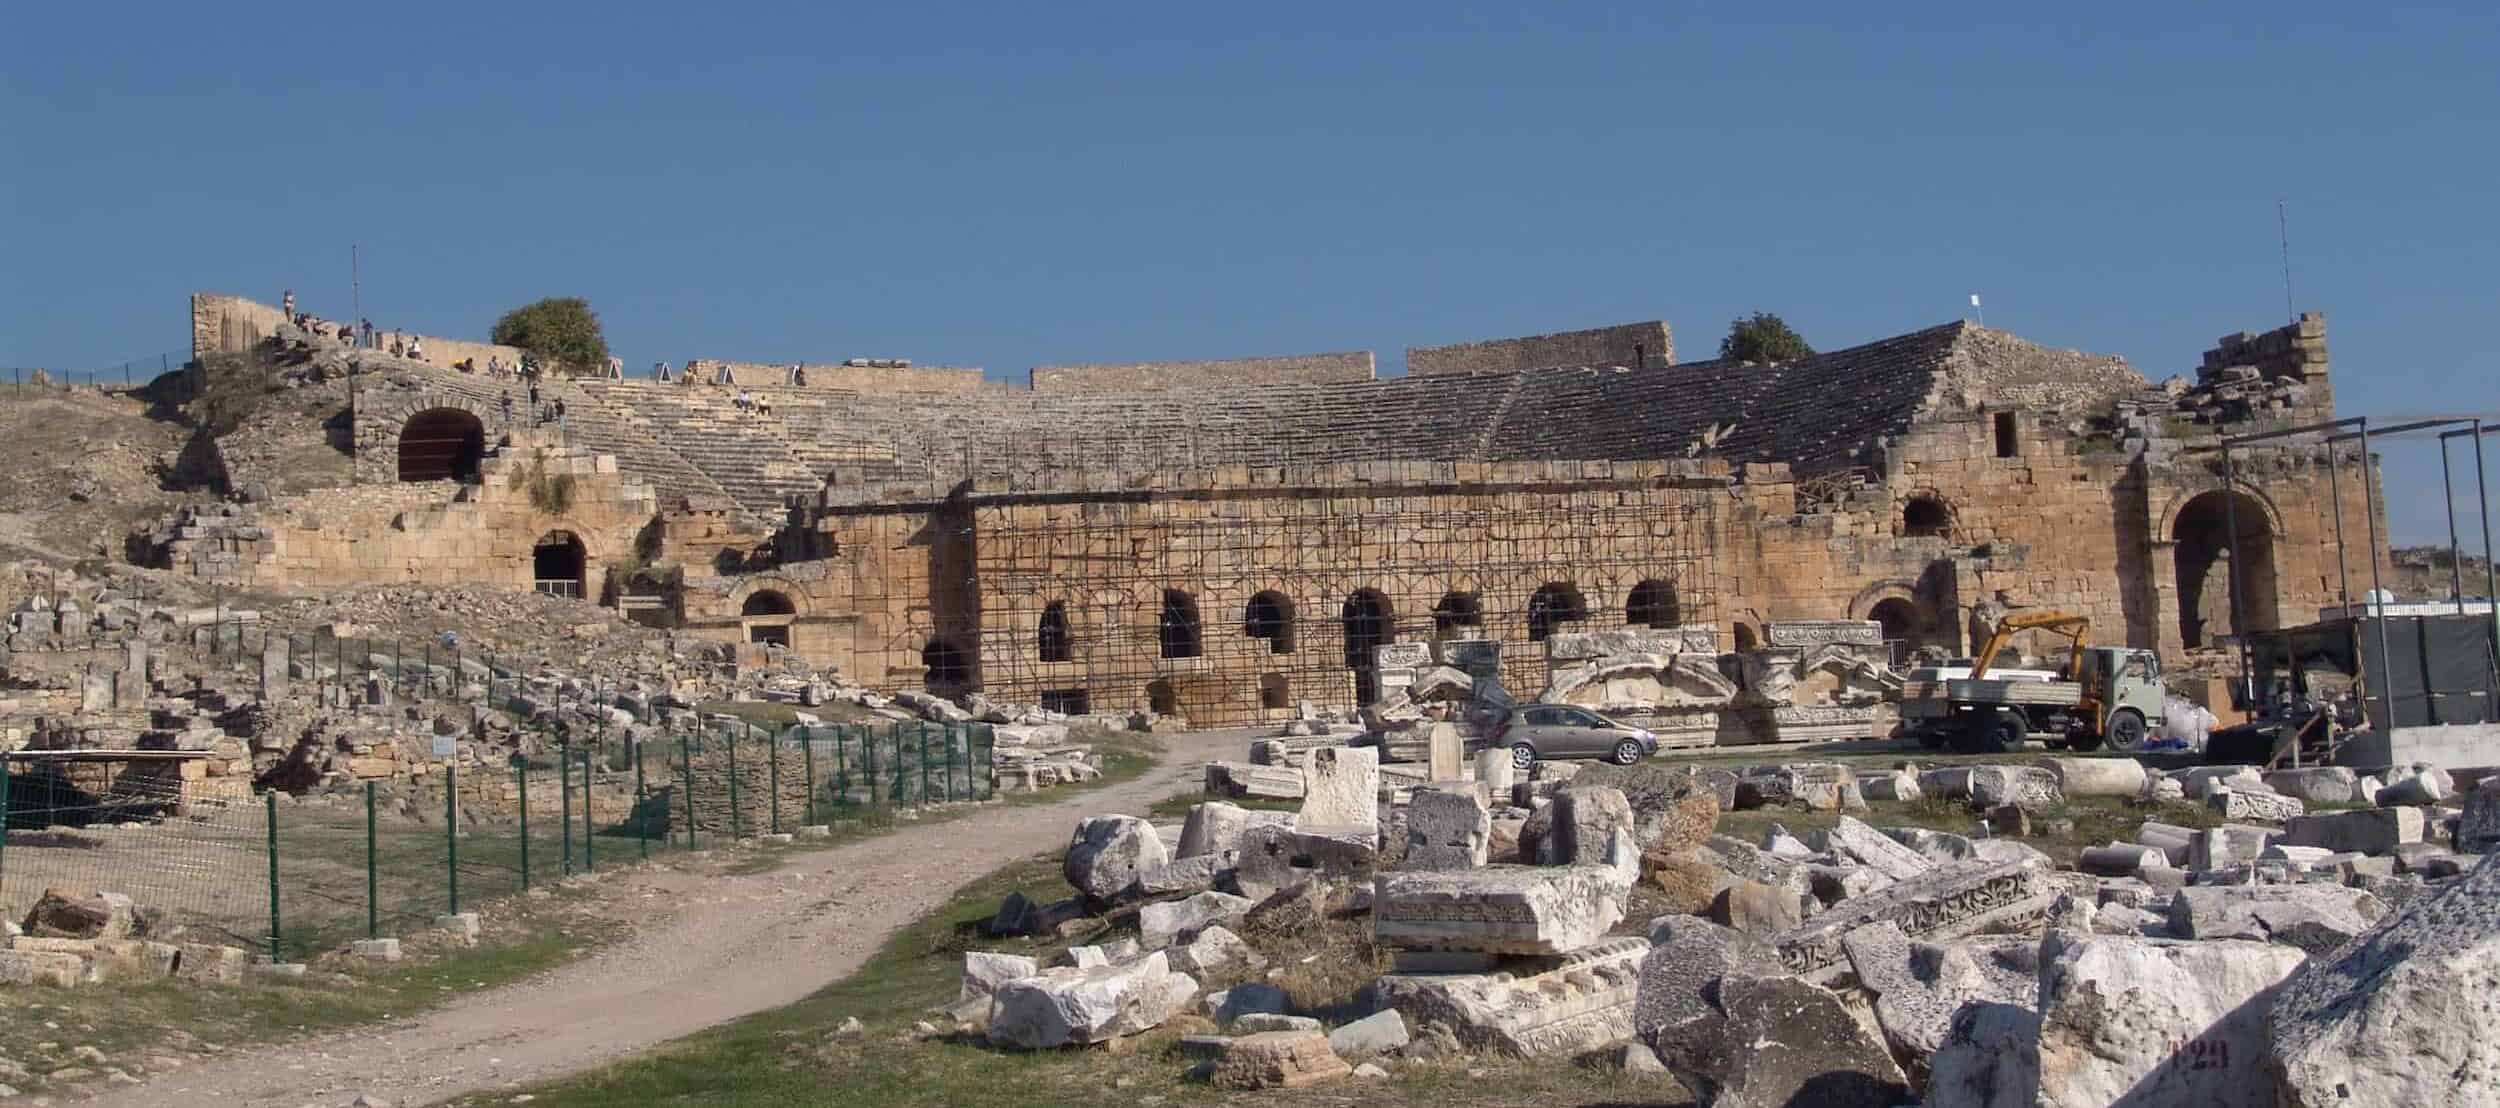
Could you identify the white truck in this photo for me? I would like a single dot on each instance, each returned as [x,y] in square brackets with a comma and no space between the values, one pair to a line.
[2105,695]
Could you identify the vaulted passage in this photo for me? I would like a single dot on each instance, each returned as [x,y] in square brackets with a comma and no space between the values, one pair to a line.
[2203,564]
[441,444]
[767,615]
[1552,606]
[1269,615]
[1653,604]
[1367,625]
[557,563]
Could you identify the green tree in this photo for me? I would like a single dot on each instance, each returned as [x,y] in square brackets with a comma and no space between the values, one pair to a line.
[1763,337]
[560,329]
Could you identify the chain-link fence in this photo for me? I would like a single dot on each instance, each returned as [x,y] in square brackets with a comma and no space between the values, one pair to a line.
[298,874]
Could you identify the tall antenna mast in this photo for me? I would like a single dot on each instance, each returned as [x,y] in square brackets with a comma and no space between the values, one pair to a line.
[2283,233]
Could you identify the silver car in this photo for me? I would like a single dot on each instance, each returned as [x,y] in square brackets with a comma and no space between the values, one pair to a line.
[1550,731]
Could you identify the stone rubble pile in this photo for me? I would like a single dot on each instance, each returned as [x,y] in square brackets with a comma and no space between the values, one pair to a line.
[69,939]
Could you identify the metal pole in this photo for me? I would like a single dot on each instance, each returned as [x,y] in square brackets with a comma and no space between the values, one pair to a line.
[2369,503]
[737,824]
[2491,594]
[4,819]
[924,765]
[2231,522]
[772,778]
[2335,496]
[521,772]
[2448,503]
[270,798]
[373,880]
[451,832]
[642,819]
[807,765]
[685,784]
[564,785]
[590,857]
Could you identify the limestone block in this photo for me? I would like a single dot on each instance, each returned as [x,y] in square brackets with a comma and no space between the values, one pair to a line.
[1342,788]
[1577,828]
[1214,949]
[2029,788]
[1447,829]
[1063,1007]
[1685,956]
[2402,1017]
[1278,1060]
[1181,876]
[1756,908]
[2120,777]
[1378,1033]
[1498,909]
[40,967]
[1864,845]
[2314,918]
[1161,923]
[1494,772]
[1673,807]
[1947,901]
[1108,853]
[1918,987]
[1583,1003]
[2362,831]
[2262,807]
[985,971]
[1274,857]
[2316,784]
[1782,1041]
[2228,845]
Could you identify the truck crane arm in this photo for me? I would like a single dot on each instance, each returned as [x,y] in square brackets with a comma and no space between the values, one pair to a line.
[2034,619]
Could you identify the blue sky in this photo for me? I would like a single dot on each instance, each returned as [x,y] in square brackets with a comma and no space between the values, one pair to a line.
[1015,185]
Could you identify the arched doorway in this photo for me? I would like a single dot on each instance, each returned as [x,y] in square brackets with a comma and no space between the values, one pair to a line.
[1747,638]
[2201,559]
[1177,629]
[949,668]
[1050,637]
[1552,606]
[1900,623]
[1269,615]
[1456,614]
[558,564]
[1927,517]
[1161,699]
[1653,604]
[441,444]
[767,614]
[1368,625]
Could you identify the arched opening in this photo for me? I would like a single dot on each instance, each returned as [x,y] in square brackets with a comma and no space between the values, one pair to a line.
[1160,699]
[1274,692]
[2202,559]
[1368,624]
[1900,623]
[441,444]
[1456,612]
[1269,615]
[1552,606]
[1051,636]
[1747,638]
[950,669]
[1926,517]
[1178,628]
[557,564]
[767,614]
[1653,604]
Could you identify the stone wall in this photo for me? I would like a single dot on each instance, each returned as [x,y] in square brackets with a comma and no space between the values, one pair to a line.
[224,324]
[1640,345]
[2294,353]
[1299,369]
[887,378]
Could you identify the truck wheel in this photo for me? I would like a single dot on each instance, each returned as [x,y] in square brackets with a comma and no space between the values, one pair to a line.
[2127,730]
[1988,734]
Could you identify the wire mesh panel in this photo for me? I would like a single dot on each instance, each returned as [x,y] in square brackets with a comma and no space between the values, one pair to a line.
[127,827]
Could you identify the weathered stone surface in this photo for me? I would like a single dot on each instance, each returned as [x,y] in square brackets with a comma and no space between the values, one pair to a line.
[2314,918]
[1755,908]
[1182,876]
[2198,782]
[1241,779]
[2228,845]
[2317,784]
[1577,828]
[1278,1060]
[1161,923]
[1952,899]
[1900,786]
[2172,840]
[1108,853]
[1063,1007]
[1253,1023]
[2412,790]
[1814,786]
[2245,804]
[1494,773]
[1274,857]
[1780,1041]
[1216,828]
[1245,999]
[1214,948]
[985,971]
[62,914]
[1919,986]
[2478,828]
[2029,788]
[1685,956]
[1673,807]
[2405,1016]
[1498,909]
[1584,1003]
[2138,1022]
[2120,859]
[1447,829]
[1378,1033]
[1868,847]
[2362,831]
[1341,788]
[2120,777]
[1938,846]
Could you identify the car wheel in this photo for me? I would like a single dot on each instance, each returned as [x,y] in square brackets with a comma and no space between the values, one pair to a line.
[1627,752]
[2127,730]
[1522,756]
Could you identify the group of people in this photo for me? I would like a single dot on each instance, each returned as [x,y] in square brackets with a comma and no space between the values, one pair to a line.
[751,404]
[362,334]
[540,414]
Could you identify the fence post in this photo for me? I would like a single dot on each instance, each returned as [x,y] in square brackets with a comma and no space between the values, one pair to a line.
[685,784]
[772,777]
[590,856]
[564,784]
[270,798]
[451,832]
[521,773]
[868,749]
[841,773]
[737,824]
[4,819]
[642,818]
[807,765]
[373,880]
[924,765]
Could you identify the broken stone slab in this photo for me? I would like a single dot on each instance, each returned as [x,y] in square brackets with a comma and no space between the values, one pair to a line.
[1278,1060]
[1182,876]
[1212,949]
[1107,854]
[63,914]
[985,971]
[1755,908]
[1161,923]
[2317,784]
[1919,986]
[1674,808]
[1583,1002]
[1498,909]
[1245,999]
[2120,859]
[1873,849]
[1938,846]
[2119,777]
[1781,1041]
[1686,956]
[2361,831]
[1243,780]
[2229,845]
[1341,788]
[2245,804]
[1577,827]
[2030,788]
[2174,842]
[1378,1033]
[1447,829]
[41,967]
[2198,782]
[1215,828]
[1813,786]
[2401,1017]
[2478,826]
[1275,857]
[1948,901]
[1253,1023]
[2313,918]
[1063,1007]
[2122,1021]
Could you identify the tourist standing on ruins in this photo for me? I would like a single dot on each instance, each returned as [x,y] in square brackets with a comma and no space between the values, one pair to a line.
[287,305]
[561,425]
[365,332]
[507,405]
[416,347]
[533,399]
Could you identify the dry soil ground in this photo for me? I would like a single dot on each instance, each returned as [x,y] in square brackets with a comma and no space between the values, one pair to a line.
[707,950]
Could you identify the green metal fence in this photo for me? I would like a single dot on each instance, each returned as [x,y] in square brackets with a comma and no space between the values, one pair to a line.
[295,875]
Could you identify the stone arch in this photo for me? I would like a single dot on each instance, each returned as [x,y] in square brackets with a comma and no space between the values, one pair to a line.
[441,444]
[766,615]
[1746,637]
[1161,698]
[1927,514]
[1269,616]
[1653,603]
[1369,623]
[1177,628]
[1050,634]
[1554,604]
[1456,612]
[560,564]
[2206,573]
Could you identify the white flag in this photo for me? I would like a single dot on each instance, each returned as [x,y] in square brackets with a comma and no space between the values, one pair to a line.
[1974,300]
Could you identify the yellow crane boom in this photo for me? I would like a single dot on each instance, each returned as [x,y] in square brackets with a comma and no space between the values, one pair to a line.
[2034,619]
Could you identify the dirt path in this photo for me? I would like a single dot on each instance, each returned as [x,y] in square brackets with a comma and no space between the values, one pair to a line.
[719,948]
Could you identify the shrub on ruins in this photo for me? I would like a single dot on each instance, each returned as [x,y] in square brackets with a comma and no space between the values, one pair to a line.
[1763,337]
[559,328]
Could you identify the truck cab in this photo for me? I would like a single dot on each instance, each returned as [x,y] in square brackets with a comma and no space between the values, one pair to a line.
[2123,689]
